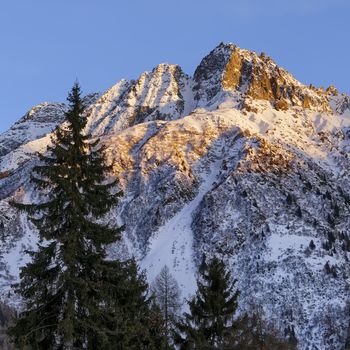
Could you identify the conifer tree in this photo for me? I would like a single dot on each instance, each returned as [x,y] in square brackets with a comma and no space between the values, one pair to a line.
[136,323]
[67,281]
[167,294]
[209,322]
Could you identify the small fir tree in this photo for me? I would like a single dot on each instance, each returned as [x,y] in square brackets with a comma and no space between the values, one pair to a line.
[209,323]
[312,245]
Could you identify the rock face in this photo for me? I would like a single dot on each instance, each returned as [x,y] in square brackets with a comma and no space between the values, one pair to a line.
[241,161]
[255,76]
[159,95]
[343,104]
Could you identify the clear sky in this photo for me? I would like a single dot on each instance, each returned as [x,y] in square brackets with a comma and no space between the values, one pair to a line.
[46,44]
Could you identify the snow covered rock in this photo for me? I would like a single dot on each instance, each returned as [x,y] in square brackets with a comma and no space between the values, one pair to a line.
[163,94]
[253,76]
[241,161]
[39,121]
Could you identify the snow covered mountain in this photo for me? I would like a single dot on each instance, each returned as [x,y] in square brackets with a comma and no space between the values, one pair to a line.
[241,160]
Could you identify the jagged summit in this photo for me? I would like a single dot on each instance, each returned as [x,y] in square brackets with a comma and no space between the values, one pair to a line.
[241,160]
[226,73]
[167,93]
[161,94]
[254,76]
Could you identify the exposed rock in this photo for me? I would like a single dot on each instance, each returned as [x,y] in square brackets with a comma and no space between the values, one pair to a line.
[208,76]
[241,160]
[233,72]
[307,102]
[281,105]
[257,76]
[331,90]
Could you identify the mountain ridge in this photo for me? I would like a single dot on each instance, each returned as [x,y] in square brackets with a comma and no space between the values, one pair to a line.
[241,161]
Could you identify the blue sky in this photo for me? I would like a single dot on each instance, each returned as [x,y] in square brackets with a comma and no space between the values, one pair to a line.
[46,44]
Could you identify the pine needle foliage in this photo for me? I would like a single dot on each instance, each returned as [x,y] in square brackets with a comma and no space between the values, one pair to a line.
[66,284]
[210,320]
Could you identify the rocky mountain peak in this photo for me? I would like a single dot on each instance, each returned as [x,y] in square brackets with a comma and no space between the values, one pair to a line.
[208,75]
[241,160]
[167,93]
[254,77]
[162,94]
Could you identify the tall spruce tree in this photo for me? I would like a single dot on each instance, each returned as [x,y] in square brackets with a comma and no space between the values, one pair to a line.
[67,283]
[209,323]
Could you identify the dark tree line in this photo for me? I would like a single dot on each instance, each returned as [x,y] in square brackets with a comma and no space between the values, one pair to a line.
[76,298]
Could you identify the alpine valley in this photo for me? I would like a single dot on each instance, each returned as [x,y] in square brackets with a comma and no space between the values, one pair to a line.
[241,161]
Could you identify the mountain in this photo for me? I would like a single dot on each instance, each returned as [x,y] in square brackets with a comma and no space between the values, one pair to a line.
[241,160]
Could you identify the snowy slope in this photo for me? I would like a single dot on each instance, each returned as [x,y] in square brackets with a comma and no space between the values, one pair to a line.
[241,160]
[172,244]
